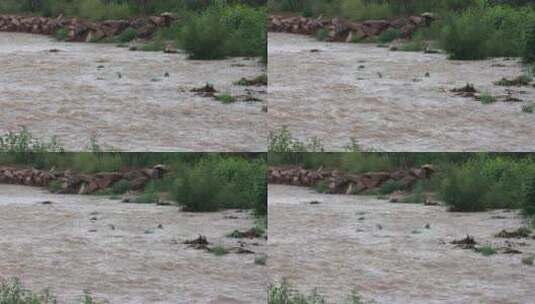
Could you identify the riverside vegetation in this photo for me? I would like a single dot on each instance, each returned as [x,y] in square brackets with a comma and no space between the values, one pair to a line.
[487,185]
[204,29]
[196,182]
[465,182]
[473,29]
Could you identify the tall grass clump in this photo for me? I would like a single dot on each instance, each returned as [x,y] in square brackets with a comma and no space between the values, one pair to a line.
[489,31]
[222,182]
[464,189]
[12,292]
[223,30]
[198,190]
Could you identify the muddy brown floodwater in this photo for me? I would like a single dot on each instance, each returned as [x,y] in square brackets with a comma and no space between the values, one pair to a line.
[67,94]
[383,251]
[52,246]
[383,100]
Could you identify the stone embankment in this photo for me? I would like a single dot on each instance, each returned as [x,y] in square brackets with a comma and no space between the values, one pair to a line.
[83,30]
[340,30]
[342,183]
[74,183]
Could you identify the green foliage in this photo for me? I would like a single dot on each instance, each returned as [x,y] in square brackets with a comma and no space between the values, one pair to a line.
[282,141]
[86,162]
[487,98]
[121,187]
[486,250]
[219,250]
[225,98]
[54,186]
[529,196]
[529,51]
[150,195]
[489,31]
[223,30]
[391,186]
[284,293]
[389,35]
[322,34]
[12,292]
[61,34]
[127,35]
[464,189]
[417,195]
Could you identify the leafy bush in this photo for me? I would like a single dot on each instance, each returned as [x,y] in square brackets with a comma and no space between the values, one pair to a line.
[464,189]
[225,98]
[121,187]
[487,98]
[391,186]
[198,189]
[61,34]
[12,292]
[282,141]
[529,196]
[489,31]
[149,196]
[223,30]
[127,35]
[389,35]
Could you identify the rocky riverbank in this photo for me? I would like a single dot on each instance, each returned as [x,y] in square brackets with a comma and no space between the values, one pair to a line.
[340,30]
[83,30]
[342,183]
[70,182]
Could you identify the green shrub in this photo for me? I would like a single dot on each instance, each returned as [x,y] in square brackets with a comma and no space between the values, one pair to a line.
[219,250]
[127,35]
[322,34]
[528,205]
[61,34]
[529,51]
[389,35]
[391,186]
[225,98]
[464,189]
[417,195]
[198,189]
[12,292]
[282,141]
[486,250]
[222,30]
[121,187]
[487,98]
[149,196]
[322,186]
[465,37]
[54,186]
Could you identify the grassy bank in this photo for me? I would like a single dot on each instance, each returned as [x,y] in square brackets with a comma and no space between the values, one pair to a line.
[13,292]
[466,29]
[464,181]
[195,181]
[284,293]
[204,30]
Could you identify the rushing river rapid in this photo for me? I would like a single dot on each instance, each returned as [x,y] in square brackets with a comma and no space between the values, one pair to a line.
[384,100]
[124,98]
[384,251]
[117,251]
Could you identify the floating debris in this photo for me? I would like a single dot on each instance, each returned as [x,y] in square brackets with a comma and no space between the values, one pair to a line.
[520,233]
[466,243]
[207,90]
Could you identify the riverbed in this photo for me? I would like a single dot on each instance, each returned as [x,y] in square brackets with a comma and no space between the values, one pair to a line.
[383,99]
[120,252]
[129,101]
[384,251]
